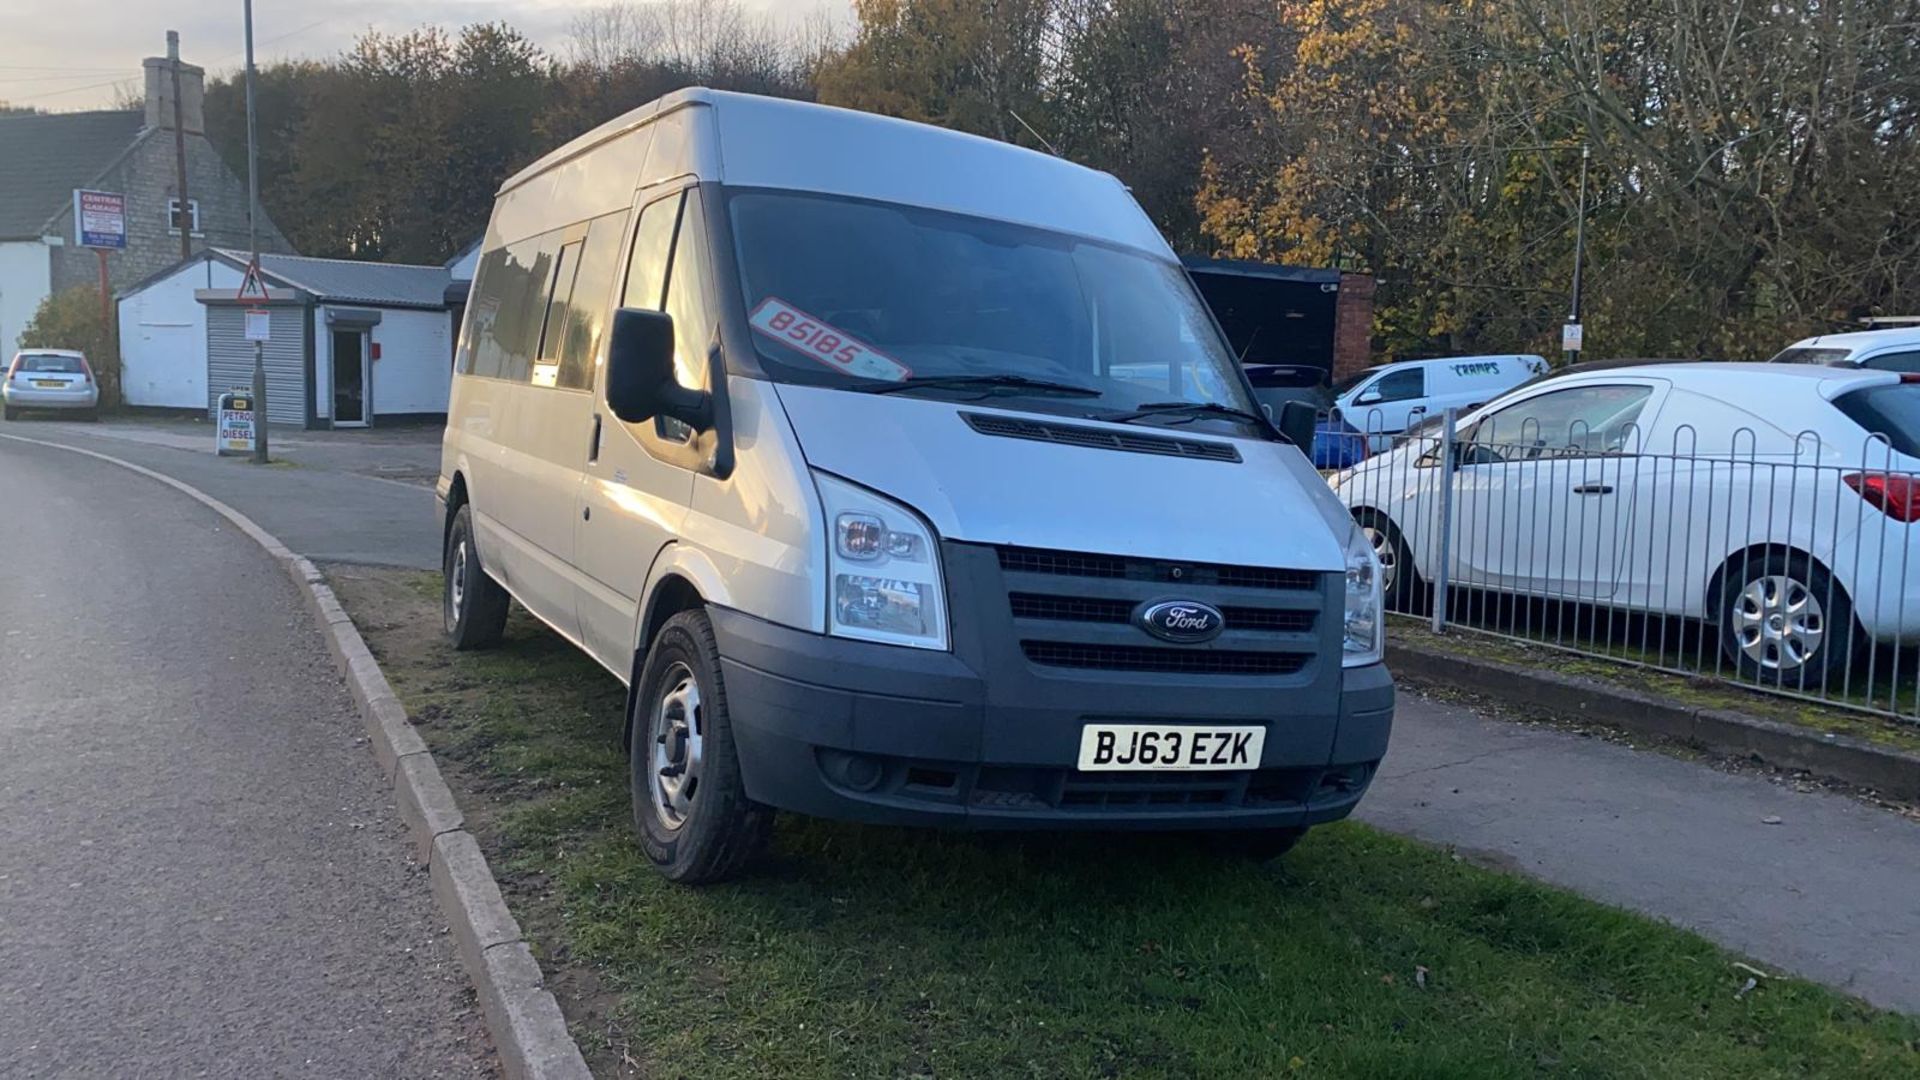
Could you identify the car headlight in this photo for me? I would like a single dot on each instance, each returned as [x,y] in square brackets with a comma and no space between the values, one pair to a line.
[1365,637]
[883,569]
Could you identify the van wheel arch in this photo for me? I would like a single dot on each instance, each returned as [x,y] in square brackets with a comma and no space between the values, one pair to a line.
[456,498]
[672,596]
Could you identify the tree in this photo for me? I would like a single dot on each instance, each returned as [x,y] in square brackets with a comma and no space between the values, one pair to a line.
[70,319]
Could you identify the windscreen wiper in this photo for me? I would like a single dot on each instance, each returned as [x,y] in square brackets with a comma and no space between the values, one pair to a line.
[981,382]
[1190,408]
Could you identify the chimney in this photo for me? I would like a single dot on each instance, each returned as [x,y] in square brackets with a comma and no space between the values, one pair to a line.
[159,72]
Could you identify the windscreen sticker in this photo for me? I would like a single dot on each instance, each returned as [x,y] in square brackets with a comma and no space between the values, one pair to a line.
[838,350]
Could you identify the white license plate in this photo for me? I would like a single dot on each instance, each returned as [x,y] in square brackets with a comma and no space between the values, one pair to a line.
[1111,747]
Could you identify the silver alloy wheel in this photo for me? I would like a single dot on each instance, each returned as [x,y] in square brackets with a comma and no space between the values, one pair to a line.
[1778,622]
[678,743]
[1383,552]
[457,578]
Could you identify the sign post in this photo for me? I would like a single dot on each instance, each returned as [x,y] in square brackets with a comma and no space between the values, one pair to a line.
[100,223]
[259,328]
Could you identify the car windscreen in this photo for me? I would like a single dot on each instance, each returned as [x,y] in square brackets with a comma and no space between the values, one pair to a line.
[51,364]
[1805,355]
[853,293]
[1891,410]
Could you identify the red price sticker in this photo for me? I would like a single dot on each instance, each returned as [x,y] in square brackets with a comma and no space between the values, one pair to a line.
[838,350]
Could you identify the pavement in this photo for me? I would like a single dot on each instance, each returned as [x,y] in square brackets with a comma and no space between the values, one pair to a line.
[202,872]
[1812,882]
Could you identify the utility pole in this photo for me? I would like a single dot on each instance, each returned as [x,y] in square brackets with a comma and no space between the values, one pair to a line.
[1573,335]
[253,243]
[185,218]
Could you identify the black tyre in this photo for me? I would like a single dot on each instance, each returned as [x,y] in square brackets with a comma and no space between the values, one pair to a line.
[690,807]
[1784,622]
[473,605]
[9,413]
[1405,592]
[1259,845]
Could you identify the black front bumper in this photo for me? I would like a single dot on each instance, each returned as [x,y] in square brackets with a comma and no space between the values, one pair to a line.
[981,738]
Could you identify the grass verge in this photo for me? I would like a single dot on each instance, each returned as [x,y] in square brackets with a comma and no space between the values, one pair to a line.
[893,953]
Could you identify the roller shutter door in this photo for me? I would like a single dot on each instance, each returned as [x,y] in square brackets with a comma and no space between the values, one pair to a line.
[230,359]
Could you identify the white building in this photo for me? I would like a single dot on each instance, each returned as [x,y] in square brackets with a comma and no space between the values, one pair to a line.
[351,343]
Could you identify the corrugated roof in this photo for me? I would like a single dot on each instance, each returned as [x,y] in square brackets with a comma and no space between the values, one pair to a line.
[350,282]
[43,158]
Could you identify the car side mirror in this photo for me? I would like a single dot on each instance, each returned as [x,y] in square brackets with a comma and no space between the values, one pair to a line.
[1298,421]
[1369,397]
[640,379]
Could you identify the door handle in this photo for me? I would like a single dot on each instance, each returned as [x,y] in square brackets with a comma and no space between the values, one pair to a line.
[1594,489]
[593,448]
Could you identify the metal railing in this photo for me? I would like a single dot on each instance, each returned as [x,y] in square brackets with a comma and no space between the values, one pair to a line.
[1763,559]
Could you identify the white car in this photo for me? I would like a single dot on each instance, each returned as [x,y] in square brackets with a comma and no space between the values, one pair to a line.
[1773,501]
[1880,350]
[1386,400]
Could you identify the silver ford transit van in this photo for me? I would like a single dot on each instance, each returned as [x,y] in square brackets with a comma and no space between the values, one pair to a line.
[903,477]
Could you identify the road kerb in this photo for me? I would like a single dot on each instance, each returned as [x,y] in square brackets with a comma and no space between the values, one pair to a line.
[529,1032]
[1727,732]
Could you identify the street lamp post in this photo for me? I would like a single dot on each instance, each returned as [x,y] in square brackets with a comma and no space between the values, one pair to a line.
[1571,338]
[253,239]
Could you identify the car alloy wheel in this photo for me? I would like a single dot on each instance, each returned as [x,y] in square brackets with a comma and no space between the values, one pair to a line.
[1383,550]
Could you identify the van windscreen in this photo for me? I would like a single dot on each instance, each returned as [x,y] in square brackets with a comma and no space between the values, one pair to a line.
[843,291]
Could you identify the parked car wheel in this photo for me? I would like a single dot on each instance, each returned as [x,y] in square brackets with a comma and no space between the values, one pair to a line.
[1784,622]
[1259,845]
[1401,583]
[473,605]
[690,806]
[10,413]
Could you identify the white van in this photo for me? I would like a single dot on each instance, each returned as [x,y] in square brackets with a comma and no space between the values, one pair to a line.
[903,477]
[1384,401]
[1897,349]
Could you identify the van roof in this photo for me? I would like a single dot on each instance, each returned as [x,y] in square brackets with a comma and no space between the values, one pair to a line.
[1456,359]
[802,146]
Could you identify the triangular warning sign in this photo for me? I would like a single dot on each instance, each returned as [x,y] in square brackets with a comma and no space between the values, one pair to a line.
[253,286]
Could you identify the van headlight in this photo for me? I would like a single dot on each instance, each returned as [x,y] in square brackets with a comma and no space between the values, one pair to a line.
[1365,639]
[883,569]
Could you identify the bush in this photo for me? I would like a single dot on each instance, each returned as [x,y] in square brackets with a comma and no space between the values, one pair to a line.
[70,319]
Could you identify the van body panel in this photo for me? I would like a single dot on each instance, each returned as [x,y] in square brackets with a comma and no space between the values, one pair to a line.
[763,527]
[1448,382]
[580,189]
[998,490]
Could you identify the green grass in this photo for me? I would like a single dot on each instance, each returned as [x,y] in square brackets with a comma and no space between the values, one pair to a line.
[892,953]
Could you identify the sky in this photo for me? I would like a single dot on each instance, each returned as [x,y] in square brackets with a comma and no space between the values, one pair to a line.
[62,55]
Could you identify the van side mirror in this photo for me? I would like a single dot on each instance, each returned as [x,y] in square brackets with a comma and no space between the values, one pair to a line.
[1371,396]
[1298,421]
[640,379]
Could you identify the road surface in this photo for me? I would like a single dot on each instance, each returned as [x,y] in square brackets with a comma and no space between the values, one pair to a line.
[201,869]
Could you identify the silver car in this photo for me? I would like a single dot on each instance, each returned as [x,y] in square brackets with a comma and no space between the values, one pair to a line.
[50,379]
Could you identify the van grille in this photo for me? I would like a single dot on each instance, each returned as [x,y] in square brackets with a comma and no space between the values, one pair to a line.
[1175,659]
[1098,610]
[1019,560]
[1010,427]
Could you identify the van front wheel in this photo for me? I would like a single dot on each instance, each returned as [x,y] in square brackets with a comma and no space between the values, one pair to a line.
[690,807]
[473,605]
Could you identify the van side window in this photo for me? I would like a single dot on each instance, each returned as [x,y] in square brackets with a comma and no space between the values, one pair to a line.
[517,295]
[546,369]
[687,297]
[652,246]
[1403,385]
[587,312]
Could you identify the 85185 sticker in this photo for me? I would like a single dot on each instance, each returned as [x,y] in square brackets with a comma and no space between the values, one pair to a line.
[837,349]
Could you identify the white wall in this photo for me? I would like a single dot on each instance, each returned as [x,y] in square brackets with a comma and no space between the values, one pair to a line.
[415,369]
[163,337]
[26,276]
[462,269]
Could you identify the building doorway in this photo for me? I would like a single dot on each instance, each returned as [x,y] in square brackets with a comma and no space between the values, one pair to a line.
[350,382]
